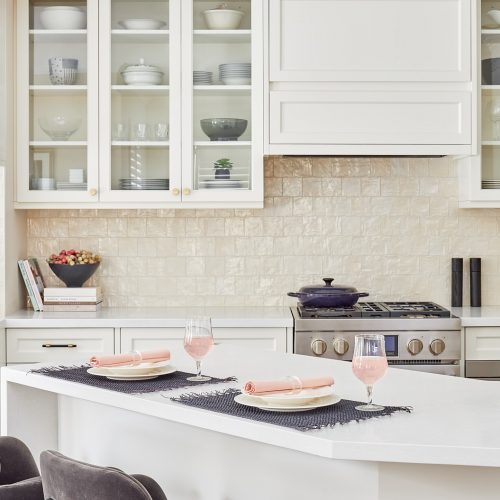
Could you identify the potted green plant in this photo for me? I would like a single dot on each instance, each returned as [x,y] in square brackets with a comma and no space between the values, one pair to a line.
[223,168]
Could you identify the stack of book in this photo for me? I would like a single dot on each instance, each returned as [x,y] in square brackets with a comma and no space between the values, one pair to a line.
[33,280]
[72,299]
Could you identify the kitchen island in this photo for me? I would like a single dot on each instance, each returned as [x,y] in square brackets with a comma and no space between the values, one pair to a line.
[448,447]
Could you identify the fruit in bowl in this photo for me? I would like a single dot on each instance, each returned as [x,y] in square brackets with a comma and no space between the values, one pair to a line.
[74,267]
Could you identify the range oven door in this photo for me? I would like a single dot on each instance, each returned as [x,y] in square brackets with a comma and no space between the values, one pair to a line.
[486,370]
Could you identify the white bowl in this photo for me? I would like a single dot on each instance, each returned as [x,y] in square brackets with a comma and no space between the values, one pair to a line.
[223,19]
[495,15]
[142,77]
[63,18]
[142,24]
[236,81]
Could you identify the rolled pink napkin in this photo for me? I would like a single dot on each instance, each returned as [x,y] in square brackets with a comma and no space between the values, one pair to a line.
[288,384]
[130,358]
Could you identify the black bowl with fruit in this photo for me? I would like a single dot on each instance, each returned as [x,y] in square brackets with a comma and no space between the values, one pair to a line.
[74,267]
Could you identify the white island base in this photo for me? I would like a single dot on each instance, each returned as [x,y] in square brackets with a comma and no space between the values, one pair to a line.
[447,448]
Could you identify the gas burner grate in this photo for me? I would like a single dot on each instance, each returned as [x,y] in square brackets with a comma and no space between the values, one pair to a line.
[373,310]
[330,312]
[416,310]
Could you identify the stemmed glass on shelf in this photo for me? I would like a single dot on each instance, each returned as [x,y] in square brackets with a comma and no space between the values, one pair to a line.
[495,117]
[198,340]
[369,364]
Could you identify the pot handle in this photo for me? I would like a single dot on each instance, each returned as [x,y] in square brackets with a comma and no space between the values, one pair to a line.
[328,281]
[299,295]
[363,294]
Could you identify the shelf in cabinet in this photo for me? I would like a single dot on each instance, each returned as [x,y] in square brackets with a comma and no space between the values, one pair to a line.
[213,90]
[490,143]
[55,89]
[58,36]
[58,144]
[222,36]
[140,36]
[149,89]
[149,144]
[231,144]
[490,87]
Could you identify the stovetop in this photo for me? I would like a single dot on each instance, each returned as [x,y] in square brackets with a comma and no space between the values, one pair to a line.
[410,310]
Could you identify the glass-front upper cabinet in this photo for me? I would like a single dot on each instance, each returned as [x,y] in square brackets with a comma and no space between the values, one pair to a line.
[222,50]
[140,100]
[57,90]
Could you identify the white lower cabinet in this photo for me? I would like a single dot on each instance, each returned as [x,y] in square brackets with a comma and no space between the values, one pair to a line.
[35,345]
[142,339]
[482,343]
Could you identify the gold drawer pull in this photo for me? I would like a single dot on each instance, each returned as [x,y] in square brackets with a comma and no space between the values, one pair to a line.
[70,346]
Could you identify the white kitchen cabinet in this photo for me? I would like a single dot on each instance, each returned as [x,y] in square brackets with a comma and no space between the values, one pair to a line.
[390,77]
[127,161]
[35,345]
[370,40]
[142,339]
[482,343]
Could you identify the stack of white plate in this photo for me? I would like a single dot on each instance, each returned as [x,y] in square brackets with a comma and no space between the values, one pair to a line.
[306,399]
[491,184]
[144,184]
[202,77]
[220,184]
[71,186]
[235,73]
[143,371]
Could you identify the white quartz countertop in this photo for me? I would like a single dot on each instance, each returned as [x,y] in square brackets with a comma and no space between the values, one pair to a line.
[478,316]
[454,421]
[231,317]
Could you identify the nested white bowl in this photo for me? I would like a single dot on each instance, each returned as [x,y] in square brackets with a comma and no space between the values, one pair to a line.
[61,17]
[142,77]
[494,15]
[142,24]
[223,19]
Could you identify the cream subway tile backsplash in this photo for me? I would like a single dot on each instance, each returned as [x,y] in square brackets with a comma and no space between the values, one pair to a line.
[389,226]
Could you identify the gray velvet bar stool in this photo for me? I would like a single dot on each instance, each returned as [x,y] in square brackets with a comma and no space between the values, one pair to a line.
[19,476]
[66,479]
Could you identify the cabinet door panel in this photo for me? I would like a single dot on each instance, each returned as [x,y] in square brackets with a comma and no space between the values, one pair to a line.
[272,339]
[482,343]
[368,40]
[329,117]
[34,345]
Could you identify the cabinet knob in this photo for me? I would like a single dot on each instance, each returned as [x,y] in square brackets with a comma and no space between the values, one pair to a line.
[93,191]
[175,192]
[186,191]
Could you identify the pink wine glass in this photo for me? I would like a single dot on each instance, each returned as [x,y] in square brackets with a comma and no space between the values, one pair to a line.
[198,341]
[369,364]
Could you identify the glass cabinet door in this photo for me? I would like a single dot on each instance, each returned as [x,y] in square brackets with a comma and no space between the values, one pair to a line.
[222,101]
[140,100]
[57,136]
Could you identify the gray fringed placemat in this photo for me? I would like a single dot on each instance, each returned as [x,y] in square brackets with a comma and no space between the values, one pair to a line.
[175,380]
[328,416]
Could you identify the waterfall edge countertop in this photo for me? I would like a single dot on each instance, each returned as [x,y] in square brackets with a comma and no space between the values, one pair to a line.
[454,420]
[230,317]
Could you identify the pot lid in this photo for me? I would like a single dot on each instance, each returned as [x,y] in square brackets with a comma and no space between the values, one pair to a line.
[328,289]
[141,67]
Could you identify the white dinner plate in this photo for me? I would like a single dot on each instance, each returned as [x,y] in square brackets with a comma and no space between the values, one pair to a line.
[294,398]
[153,373]
[133,370]
[245,400]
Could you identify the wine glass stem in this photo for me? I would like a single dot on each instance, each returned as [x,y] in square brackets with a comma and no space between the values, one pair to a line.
[198,368]
[369,390]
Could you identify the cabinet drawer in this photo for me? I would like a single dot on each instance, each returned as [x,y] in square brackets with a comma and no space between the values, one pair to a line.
[33,345]
[142,339]
[341,117]
[482,343]
[368,40]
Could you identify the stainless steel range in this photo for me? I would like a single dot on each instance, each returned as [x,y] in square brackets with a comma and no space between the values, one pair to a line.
[418,335]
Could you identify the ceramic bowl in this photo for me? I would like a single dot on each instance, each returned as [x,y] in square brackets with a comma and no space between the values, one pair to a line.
[494,15]
[74,276]
[223,19]
[223,129]
[58,126]
[490,69]
[61,17]
[142,74]
[142,24]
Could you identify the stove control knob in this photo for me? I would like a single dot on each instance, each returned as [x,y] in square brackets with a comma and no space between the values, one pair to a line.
[415,346]
[318,347]
[340,346]
[437,346]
